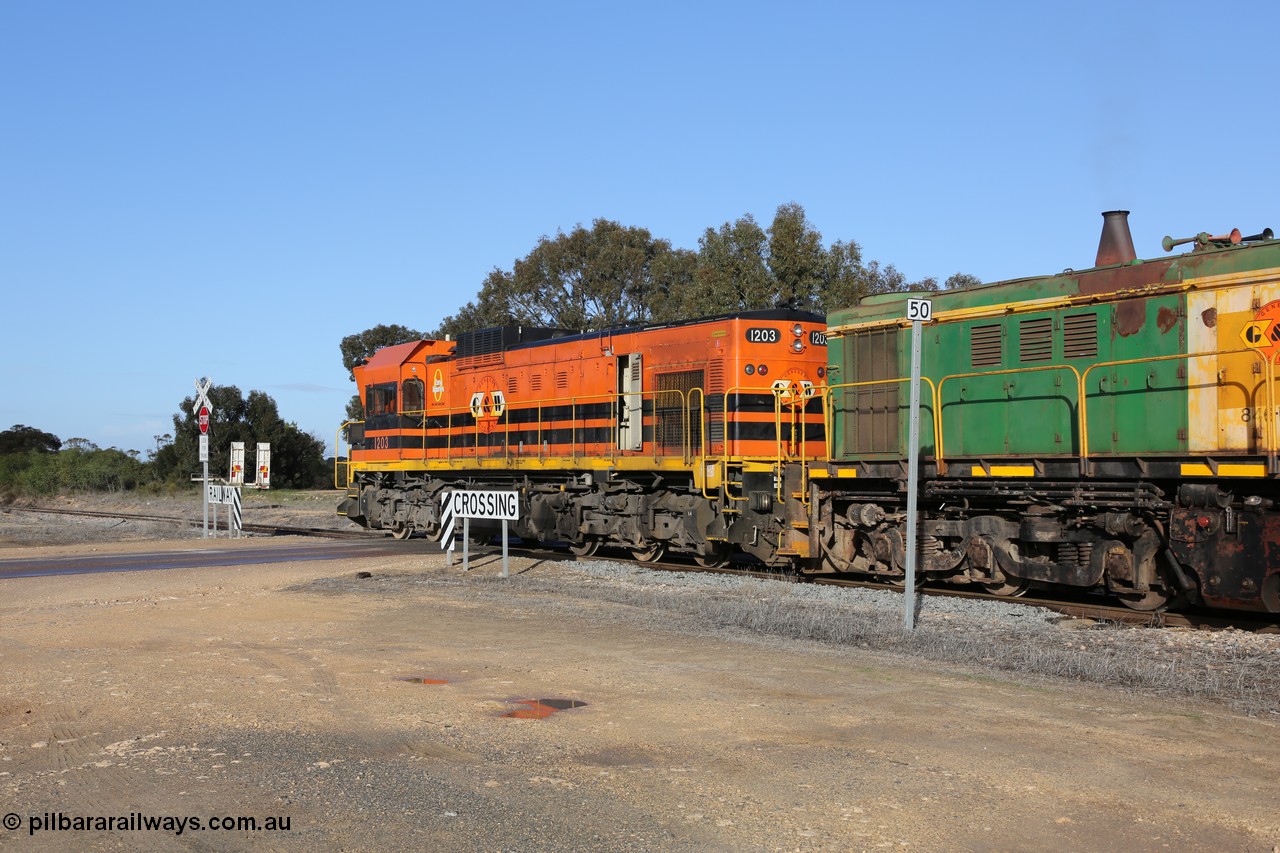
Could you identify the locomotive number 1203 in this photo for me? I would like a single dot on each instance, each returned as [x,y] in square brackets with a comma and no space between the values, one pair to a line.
[763,336]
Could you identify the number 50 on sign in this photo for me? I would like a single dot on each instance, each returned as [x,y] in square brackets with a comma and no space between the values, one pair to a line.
[919,310]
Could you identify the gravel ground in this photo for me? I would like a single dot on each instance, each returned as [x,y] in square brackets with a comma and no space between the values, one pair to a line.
[719,712]
[1237,668]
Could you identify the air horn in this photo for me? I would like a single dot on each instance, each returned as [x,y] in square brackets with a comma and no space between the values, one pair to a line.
[1204,238]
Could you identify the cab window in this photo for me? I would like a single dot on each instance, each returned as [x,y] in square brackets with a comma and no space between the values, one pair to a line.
[411,395]
[380,399]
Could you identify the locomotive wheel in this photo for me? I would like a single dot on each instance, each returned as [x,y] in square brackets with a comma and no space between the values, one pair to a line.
[1151,600]
[401,531]
[586,547]
[651,554]
[716,557]
[1011,588]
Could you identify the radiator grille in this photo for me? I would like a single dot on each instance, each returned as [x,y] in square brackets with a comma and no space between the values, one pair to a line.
[1035,339]
[1080,336]
[986,346]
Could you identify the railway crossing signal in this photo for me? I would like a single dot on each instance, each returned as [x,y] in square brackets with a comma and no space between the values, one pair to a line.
[202,396]
[202,409]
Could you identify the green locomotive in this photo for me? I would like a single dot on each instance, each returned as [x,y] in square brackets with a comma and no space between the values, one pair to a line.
[1110,428]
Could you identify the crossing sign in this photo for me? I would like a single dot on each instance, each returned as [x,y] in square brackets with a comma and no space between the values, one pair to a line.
[202,396]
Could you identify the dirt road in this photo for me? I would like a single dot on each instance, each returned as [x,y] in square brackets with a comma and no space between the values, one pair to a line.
[280,691]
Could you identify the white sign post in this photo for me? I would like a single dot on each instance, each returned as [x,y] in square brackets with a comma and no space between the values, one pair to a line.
[487,505]
[203,410]
[919,312]
[236,477]
[262,459]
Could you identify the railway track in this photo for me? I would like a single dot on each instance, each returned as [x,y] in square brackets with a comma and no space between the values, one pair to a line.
[1079,609]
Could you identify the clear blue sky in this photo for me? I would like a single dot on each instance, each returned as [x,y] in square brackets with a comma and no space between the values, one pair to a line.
[228,189]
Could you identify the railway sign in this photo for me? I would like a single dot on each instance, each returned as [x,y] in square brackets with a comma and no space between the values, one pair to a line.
[919,310]
[488,505]
[491,505]
[202,409]
[262,457]
[202,395]
[237,464]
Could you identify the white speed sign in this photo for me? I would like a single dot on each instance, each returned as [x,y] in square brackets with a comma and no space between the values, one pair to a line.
[919,310]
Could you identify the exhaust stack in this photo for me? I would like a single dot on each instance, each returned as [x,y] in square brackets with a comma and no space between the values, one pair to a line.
[1116,244]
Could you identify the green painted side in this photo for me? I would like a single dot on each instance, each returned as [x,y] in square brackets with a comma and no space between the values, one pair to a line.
[1131,409]
[1008,413]
[1141,408]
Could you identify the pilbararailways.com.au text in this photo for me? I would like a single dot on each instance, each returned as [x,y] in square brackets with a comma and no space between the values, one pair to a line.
[139,822]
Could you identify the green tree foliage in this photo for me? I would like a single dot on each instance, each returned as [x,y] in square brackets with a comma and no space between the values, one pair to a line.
[21,438]
[39,464]
[297,458]
[960,280]
[796,258]
[612,275]
[733,272]
[587,279]
[356,348]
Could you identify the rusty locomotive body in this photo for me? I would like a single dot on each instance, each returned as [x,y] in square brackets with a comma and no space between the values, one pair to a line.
[1109,428]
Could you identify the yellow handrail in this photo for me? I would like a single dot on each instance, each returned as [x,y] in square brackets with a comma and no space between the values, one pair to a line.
[1083,392]
[937,412]
[337,454]
[828,409]
[1272,414]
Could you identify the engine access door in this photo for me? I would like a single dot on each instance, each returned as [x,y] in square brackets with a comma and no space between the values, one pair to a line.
[630,403]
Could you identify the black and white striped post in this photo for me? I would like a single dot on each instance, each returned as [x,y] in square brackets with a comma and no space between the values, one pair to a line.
[446,524]
[237,522]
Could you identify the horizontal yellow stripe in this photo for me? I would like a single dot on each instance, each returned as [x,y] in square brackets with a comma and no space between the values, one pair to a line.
[847,472]
[1004,471]
[1196,469]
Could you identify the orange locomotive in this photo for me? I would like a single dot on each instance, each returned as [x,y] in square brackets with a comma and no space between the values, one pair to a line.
[689,438]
